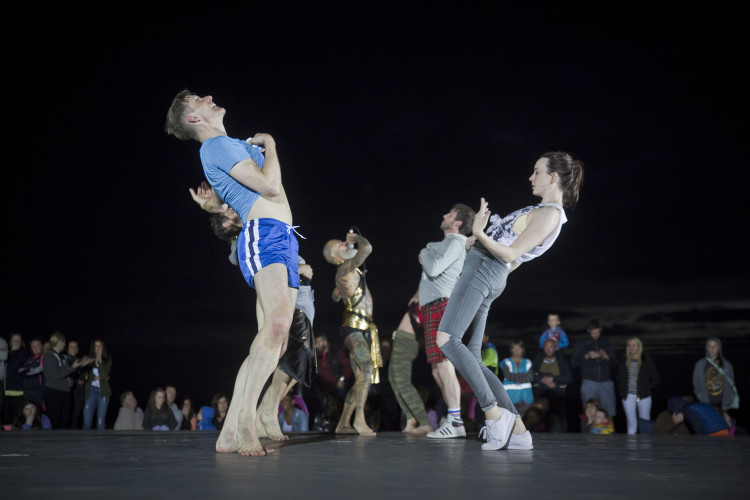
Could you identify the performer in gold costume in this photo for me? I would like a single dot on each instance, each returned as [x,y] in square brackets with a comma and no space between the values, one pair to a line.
[358,332]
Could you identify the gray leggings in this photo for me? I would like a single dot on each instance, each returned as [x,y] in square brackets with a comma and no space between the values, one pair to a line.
[482,280]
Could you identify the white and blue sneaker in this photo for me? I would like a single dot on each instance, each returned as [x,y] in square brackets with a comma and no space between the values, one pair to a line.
[450,428]
[498,432]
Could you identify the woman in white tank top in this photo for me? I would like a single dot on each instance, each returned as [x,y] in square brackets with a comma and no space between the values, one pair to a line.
[508,242]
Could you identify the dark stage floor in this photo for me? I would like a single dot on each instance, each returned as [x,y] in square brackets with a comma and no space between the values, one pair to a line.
[108,465]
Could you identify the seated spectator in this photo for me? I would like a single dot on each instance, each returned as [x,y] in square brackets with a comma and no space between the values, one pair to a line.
[518,376]
[171,392]
[687,416]
[189,417]
[602,423]
[220,404]
[328,418]
[204,418]
[536,418]
[588,417]
[292,418]
[551,378]
[130,416]
[31,417]
[158,416]
[33,374]
[299,403]
[554,332]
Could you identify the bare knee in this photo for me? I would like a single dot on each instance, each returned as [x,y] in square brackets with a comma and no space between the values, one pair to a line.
[441,338]
[444,368]
[279,328]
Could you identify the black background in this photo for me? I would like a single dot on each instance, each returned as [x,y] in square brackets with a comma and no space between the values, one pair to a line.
[384,116]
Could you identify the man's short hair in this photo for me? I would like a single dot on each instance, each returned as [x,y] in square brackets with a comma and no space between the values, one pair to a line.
[223,228]
[465,214]
[176,123]
[594,325]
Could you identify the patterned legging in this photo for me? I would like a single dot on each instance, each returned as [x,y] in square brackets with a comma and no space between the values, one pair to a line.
[405,350]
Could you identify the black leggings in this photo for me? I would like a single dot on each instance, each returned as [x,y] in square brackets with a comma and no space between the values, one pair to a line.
[59,406]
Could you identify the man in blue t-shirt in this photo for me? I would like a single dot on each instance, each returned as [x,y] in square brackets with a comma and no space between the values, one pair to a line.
[247,176]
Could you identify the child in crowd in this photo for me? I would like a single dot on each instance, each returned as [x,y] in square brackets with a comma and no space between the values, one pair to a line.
[602,423]
[589,414]
[554,332]
[31,417]
[205,415]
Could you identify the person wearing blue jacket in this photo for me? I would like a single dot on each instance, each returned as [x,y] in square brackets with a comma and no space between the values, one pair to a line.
[292,419]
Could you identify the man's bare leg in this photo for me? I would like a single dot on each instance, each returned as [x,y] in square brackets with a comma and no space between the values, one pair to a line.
[268,412]
[362,365]
[227,442]
[277,302]
[445,374]
[345,422]
[269,404]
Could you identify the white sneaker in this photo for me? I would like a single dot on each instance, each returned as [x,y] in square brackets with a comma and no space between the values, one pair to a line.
[497,432]
[520,441]
[450,428]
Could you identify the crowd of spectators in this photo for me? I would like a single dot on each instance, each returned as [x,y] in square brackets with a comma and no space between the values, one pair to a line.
[50,385]
[600,382]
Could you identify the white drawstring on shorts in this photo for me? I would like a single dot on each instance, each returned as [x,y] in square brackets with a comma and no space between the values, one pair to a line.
[294,228]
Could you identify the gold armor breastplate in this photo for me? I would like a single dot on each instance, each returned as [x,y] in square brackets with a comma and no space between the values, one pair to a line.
[356,316]
[355,308]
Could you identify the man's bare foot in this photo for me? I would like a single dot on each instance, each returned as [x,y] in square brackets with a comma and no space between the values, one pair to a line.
[411,424]
[248,444]
[346,429]
[363,429]
[271,429]
[422,429]
[255,451]
[227,442]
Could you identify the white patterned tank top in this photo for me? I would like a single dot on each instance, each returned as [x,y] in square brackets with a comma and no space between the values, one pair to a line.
[505,230]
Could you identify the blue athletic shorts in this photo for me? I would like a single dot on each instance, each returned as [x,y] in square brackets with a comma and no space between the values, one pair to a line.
[268,241]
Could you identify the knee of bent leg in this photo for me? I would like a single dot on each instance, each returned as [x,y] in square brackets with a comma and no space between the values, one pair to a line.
[441,338]
[280,324]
